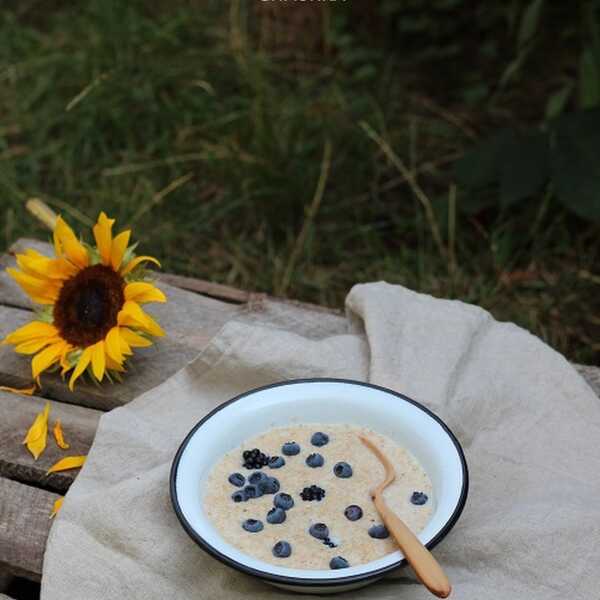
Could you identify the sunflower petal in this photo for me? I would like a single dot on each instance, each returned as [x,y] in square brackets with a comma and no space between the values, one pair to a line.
[82,364]
[134,262]
[33,346]
[119,245]
[125,348]
[135,340]
[46,358]
[38,265]
[66,463]
[76,253]
[36,436]
[98,360]
[32,331]
[58,436]
[103,234]
[42,291]
[132,314]
[57,506]
[67,244]
[113,345]
[141,292]
[28,391]
[112,365]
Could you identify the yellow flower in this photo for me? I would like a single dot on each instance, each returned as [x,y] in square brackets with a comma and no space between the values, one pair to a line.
[91,316]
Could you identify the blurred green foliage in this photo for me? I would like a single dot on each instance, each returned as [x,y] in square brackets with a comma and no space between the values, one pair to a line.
[203,125]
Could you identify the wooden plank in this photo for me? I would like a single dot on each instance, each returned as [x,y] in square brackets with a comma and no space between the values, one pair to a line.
[24,527]
[16,415]
[11,295]
[208,288]
[189,319]
[148,368]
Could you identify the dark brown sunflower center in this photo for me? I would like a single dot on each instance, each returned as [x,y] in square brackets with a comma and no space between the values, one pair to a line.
[88,305]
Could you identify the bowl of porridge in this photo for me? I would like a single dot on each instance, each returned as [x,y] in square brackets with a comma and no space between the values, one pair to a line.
[275,482]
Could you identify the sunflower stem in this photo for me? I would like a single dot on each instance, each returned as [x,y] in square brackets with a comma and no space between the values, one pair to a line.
[41,211]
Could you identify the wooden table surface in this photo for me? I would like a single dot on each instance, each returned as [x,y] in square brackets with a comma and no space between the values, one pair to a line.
[194,313]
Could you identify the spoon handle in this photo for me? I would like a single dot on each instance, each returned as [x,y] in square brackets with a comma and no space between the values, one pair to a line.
[421,560]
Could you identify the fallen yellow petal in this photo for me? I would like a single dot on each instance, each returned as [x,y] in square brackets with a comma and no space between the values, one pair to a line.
[35,440]
[28,391]
[64,464]
[58,436]
[57,506]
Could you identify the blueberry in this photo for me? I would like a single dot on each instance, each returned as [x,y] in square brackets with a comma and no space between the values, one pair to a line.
[239,496]
[315,460]
[282,549]
[353,512]
[276,516]
[338,562]
[419,498]
[283,500]
[276,462]
[343,470]
[253,491]
[290,448]
[319,531]
[319,439]
[379,532]
[252,525]
[237,479]
[257,477]
[269,486]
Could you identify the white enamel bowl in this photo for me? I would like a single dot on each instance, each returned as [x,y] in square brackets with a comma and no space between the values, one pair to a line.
[325,401]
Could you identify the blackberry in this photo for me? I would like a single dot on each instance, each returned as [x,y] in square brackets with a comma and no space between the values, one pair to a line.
[314,492]
[254,459]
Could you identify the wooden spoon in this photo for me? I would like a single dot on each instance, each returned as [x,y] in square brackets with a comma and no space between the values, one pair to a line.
[428,569]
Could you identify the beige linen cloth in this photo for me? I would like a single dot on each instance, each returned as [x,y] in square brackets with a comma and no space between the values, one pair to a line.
[530,427]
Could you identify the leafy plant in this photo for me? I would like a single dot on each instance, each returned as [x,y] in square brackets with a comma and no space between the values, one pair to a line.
[516,165]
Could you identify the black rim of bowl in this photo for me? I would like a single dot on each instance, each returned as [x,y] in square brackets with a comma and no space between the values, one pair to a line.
[315,582]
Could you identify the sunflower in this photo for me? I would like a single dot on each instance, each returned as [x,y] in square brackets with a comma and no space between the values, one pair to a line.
[90,316]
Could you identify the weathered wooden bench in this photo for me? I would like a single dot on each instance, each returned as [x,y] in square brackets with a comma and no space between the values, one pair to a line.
[195,312]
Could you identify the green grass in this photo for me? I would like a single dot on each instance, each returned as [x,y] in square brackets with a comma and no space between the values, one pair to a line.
[178,121]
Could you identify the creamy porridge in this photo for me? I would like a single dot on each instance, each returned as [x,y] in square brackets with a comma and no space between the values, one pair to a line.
[309,507]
